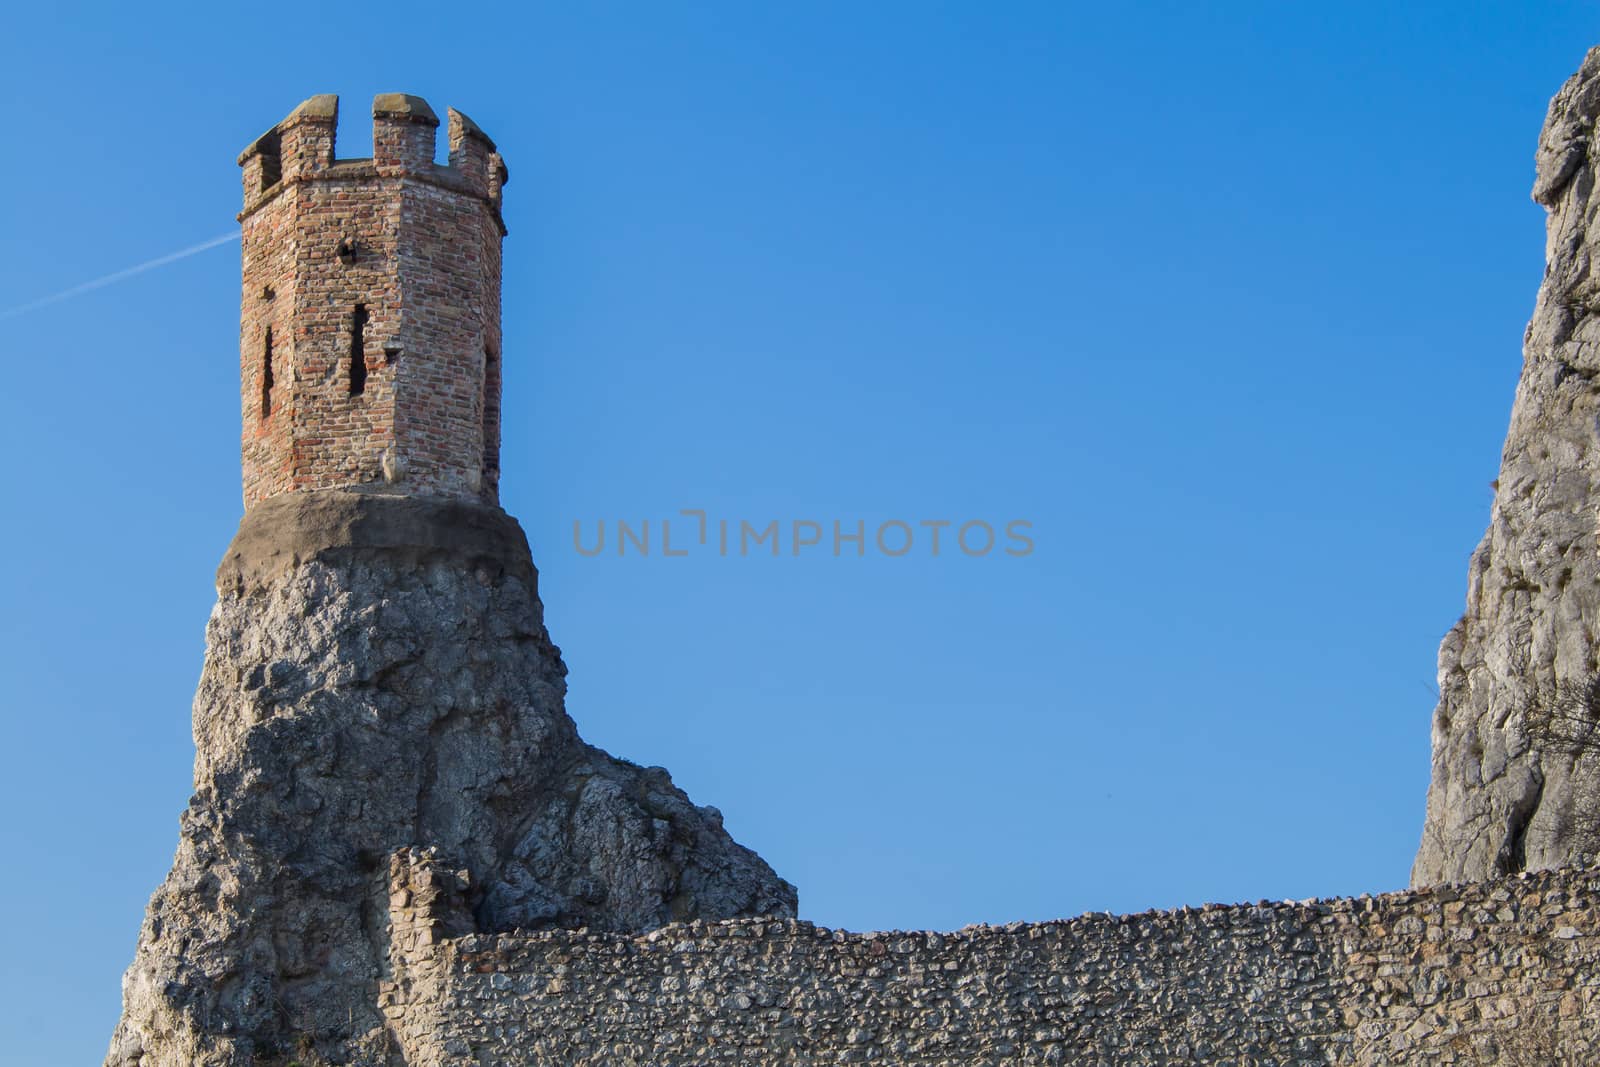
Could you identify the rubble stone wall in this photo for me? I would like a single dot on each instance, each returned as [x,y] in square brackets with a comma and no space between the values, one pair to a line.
[1500,972]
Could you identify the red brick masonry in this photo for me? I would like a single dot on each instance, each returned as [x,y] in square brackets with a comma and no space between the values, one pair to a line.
[369,340]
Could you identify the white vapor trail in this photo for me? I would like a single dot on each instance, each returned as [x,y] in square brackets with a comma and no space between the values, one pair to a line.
[109,279]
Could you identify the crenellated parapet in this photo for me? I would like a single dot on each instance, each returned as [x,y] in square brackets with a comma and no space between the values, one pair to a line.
[404,142]
[370,311]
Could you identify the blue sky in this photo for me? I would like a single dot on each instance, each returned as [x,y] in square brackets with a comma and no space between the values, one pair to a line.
[1225,299]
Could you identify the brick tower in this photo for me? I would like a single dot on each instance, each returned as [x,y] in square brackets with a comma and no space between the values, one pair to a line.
[370,317]
[381,707]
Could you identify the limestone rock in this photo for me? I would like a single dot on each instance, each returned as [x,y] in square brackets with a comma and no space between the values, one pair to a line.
[378,677]
[1515,772]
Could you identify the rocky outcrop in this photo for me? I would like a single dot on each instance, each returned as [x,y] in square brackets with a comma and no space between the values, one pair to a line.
[378,678]
[1516,765]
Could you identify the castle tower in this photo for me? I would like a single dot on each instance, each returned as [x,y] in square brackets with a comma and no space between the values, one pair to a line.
[370,315]
[380,698]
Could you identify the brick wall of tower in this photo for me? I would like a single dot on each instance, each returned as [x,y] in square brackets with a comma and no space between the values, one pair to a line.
[451,263]
[397,254]
[266,340]
[340,437]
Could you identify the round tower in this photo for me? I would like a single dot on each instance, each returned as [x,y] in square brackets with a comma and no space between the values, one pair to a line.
[370,314]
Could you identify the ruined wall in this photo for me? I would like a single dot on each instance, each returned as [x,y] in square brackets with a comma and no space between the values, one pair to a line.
[1499,972]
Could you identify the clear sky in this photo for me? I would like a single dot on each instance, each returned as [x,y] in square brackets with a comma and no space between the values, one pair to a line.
[1224,299]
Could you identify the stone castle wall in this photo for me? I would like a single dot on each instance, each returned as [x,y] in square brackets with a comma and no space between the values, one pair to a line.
[370,309]
[1501,972]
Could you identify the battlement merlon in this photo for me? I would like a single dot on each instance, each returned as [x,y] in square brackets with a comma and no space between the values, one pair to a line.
[299,145]
[402,133]
[301,148]
[473,153]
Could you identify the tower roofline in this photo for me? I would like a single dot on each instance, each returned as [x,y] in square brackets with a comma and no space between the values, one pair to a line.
[301,148]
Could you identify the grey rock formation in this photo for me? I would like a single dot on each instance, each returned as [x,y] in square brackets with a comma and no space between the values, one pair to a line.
[377,677]
[1516,756]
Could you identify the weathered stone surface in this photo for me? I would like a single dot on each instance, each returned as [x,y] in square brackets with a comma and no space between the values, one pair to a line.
[1515,772]
[1504,973]
[285,531]
[404,105]
[393,688]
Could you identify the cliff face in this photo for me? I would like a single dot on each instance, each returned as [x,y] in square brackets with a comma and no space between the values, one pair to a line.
[378,677]
[1516,753]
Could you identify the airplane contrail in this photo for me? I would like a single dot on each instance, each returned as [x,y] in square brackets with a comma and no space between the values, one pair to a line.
[150,264]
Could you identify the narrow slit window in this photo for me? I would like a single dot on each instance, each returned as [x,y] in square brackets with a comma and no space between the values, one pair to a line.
[358,350]
[266,374]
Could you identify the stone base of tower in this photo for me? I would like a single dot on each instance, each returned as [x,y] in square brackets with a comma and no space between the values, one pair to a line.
[378,679]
